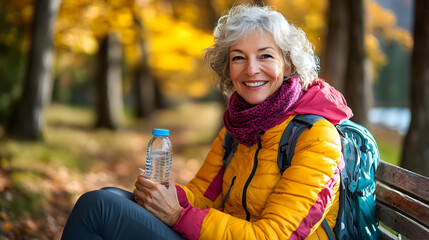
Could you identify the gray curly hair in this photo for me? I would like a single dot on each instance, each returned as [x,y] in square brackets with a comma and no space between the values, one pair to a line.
[244,19]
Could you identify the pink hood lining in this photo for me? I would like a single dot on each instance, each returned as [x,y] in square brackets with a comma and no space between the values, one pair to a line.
[324,100]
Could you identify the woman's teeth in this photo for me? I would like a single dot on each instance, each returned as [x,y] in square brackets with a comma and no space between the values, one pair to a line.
[254,84]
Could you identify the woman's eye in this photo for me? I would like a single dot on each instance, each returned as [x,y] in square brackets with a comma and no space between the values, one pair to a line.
[237,58]
[265,56]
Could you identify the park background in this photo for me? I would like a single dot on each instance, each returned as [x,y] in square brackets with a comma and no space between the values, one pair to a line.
[113,70]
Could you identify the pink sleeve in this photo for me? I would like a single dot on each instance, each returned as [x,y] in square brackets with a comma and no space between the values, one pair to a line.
[190,222]
[215,188]
[191,219]
[181,195]
[212,192]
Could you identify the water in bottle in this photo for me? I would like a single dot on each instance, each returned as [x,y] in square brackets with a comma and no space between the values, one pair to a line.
[159,157]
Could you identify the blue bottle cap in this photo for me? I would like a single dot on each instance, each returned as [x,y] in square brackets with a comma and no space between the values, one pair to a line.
[161,132]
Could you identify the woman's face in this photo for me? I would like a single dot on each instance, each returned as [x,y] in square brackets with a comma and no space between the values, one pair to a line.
[257,67]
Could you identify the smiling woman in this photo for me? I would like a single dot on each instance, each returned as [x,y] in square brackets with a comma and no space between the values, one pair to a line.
[268,69]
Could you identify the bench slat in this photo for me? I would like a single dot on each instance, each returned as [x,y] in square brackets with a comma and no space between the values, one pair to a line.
[400,223]
[406,181]
[410,207]
[387,235]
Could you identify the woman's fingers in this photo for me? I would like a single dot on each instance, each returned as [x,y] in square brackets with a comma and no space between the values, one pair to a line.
[172,183]
[139,196]
[145,183]
[172,189]
[158,200]
[142,191]
[147,191]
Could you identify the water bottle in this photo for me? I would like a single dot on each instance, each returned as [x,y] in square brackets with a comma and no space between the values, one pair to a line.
[159,157]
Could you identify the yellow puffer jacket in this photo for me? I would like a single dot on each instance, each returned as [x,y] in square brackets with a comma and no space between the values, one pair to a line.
[262,203]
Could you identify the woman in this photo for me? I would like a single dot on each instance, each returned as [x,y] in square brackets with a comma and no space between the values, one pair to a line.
[269,70]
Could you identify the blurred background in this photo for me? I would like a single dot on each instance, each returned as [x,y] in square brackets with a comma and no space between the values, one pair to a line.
[83,82]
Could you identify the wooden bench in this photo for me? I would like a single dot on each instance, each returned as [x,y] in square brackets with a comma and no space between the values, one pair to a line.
[402,202]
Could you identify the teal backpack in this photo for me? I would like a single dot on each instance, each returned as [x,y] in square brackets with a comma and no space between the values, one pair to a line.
[356,215]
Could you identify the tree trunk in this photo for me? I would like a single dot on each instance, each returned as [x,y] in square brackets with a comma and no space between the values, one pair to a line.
[144,80]
[208,15]
[357,89]
[145,86]
[416,144]
[335,55]
[108,88]
[27,120]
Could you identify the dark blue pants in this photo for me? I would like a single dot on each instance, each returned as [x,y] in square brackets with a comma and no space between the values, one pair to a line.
[112,213]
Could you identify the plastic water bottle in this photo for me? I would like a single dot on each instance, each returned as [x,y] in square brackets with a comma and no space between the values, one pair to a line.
[159,157]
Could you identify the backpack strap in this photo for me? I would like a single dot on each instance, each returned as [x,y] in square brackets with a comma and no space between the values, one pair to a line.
[328,229]
[287,148]
[229,146]
[290,136]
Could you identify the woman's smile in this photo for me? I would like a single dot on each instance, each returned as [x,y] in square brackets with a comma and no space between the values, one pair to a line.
[254,83]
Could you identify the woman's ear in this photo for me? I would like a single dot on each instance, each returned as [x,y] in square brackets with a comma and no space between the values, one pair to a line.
[287,70]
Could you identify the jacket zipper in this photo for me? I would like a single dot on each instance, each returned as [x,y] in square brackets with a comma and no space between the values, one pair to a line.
[255,165]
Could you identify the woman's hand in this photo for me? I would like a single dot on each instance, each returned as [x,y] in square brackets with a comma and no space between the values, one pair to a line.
[158,200]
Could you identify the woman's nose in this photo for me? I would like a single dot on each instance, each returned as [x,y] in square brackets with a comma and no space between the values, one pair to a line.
[252,67]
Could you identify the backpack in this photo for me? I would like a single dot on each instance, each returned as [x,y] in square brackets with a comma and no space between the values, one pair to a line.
[356,215]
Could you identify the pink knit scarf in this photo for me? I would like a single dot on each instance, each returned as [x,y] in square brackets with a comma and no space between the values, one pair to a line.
[245,122]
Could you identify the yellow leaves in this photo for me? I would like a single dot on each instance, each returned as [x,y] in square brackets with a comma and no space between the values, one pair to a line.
[383,22]
[174,44]
[379,18]
[314,21]
[403,37]
[400,35]
[188,12]
[81,23]
[314,25]
[308,15]
[78,40]
[4,164]
[128,36]
[171,62]
[171,45]
[375,54]
[299,5]
[74,26]
[132,53]
[122,19]
[93,11]
[3,216]
[373,50]
[198,89]
[19,12]
[7,226]
[187,85]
